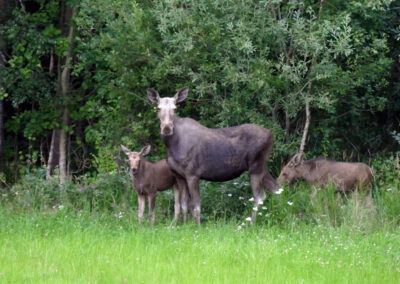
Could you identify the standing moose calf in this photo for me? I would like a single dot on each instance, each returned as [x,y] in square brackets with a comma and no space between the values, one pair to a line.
[321,171]
[148,178]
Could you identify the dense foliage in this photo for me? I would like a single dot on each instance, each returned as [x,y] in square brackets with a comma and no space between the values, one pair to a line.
[244,61]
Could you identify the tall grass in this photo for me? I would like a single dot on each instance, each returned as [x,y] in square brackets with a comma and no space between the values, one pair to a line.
[65,247]
[87,231]
[299,203]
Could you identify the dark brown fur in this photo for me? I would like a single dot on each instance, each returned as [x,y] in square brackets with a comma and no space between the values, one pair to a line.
[196,152]
[321,171]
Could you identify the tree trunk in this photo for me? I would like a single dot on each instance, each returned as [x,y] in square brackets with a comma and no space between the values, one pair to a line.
[63,149]
[65,91]
[1,119]
[54,153]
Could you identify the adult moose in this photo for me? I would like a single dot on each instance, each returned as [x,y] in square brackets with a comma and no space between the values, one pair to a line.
[148,178]
[322,171]
[215,154]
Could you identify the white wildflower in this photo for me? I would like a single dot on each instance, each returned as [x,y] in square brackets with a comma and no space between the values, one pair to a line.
[255,209]
[260,202]
[389,189]
[290,203]
[251,199]
[248,219]
[279,191]
[267,215]
[239,227]
[259,213]
[264,208]
[241,197]
[230,194]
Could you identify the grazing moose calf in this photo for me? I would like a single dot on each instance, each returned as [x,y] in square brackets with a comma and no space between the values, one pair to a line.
[148,178]
[321,171]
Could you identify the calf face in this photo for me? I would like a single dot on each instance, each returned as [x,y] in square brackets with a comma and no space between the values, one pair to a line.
[134,157]
[291,171]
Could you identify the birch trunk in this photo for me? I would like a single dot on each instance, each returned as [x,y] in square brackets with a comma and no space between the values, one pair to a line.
[65,91]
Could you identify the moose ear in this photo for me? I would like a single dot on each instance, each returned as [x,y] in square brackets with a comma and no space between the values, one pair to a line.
[153,95]
[126,150]
[181,95]
[145,150]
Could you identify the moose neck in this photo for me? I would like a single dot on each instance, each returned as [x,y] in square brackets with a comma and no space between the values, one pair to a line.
[141,170]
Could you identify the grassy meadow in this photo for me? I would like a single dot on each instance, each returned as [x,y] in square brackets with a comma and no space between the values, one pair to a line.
[65,247]
[88,233]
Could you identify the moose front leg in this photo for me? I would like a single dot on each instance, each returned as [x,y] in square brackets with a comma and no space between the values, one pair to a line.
[182,198]
[194,192]
[177,203]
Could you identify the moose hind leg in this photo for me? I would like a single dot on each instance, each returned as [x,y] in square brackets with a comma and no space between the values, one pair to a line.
[258,193]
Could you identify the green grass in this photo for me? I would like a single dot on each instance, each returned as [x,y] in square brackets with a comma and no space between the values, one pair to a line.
[66,247]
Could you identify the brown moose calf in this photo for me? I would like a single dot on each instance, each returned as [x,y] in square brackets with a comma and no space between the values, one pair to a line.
[322,171]
[148,178]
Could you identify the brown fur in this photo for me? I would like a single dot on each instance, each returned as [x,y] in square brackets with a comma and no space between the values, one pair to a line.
[148,178]
[321,171]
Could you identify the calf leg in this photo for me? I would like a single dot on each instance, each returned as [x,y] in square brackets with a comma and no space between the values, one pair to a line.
[152,202]
[194,192]
[141,205]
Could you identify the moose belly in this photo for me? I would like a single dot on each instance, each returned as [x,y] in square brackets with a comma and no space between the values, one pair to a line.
[221,175]
[221,169]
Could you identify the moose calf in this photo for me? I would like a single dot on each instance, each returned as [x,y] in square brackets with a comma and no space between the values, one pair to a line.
[321,171]
[150,177]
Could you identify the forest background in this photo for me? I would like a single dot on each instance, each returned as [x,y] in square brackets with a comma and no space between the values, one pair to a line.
[73,79]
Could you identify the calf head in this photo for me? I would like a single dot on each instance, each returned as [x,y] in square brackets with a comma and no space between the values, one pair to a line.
[167,108]
[135,157]
[291,171]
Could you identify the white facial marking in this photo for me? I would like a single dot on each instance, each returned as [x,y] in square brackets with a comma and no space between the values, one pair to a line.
[167,103]
[166,114]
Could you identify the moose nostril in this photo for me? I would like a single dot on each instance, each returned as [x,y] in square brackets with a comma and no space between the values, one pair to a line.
[166,130]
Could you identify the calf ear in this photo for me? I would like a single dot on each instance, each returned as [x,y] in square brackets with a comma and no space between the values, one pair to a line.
[145,150]
[297,159]
[126,150]
[153,95]
[181,95]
